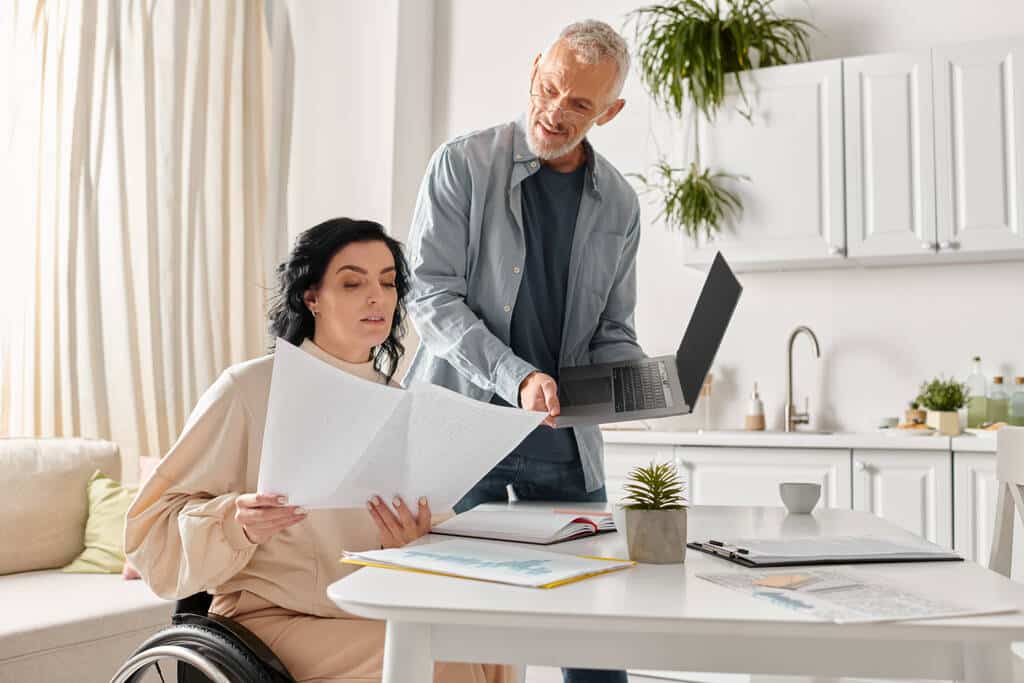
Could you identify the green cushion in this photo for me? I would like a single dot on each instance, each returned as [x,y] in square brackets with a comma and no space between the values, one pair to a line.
[104,528]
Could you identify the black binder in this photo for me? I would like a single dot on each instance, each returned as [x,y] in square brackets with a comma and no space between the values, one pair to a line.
[832,551]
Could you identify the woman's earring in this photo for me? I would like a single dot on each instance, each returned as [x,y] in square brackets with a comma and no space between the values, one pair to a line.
[314,313]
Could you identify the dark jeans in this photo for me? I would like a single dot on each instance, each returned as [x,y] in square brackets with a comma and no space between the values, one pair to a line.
[539,480]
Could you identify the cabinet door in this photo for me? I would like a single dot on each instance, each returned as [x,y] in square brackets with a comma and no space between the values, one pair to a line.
[792,154]
[890,171]
[974,510]
[979,150]
[912,489]
[620,459]
[751,476]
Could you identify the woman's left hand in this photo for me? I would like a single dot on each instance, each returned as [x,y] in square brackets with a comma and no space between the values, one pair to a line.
[401,526]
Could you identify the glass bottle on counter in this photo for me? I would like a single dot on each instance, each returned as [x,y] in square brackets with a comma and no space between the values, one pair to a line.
[998,401]
[977,402]
[1016,412]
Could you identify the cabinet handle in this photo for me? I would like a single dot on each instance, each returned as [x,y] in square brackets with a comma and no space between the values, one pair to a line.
[837,251]
[952,245]
[930,246]
[859,466]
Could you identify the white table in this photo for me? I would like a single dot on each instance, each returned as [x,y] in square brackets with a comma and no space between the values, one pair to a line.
[664,617]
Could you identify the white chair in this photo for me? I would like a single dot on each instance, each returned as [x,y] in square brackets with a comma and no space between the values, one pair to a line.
[1010,497]
[1010,478]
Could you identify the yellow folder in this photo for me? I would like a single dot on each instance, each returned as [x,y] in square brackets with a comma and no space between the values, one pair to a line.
[553,584]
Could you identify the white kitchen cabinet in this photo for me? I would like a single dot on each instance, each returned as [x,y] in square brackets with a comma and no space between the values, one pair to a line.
[974,510]
[890,172]
[619,459]
[979,147]
[751,476]
[792,153]
[913,489]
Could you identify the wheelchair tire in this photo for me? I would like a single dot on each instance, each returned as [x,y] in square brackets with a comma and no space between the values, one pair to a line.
[235,662]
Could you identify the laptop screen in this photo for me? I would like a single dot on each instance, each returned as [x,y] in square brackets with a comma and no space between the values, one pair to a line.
[707,325]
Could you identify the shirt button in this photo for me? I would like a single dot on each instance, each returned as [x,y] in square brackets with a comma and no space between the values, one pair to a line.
[507,308]
[515,269]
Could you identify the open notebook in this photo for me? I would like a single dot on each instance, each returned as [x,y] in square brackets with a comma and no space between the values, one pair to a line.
[526,525]
[493,562]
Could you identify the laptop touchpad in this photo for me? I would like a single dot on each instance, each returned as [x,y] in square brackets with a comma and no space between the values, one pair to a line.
[579,392]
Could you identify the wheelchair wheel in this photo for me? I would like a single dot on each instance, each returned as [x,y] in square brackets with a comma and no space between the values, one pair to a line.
[204,655]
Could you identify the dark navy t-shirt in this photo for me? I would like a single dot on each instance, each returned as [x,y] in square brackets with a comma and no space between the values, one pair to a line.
[551,201]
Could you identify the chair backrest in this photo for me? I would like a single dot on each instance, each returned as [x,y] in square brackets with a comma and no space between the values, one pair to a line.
[1010,455]
[1010,496]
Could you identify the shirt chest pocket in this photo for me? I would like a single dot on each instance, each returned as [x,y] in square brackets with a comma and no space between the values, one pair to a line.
[599,264]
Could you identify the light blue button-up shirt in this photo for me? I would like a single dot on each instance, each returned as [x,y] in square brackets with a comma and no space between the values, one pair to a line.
[466,253]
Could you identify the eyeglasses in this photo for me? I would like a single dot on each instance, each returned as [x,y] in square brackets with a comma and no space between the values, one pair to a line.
[548,101]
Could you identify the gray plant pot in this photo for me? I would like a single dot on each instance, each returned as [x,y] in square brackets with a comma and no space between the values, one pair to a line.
[656,536]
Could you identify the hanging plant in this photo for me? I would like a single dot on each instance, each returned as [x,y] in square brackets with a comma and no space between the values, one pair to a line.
[686,50]
[696,201]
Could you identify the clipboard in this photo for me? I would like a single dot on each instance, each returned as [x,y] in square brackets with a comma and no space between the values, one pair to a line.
[831,552]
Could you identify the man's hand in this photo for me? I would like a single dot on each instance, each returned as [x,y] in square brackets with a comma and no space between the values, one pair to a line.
[540,392]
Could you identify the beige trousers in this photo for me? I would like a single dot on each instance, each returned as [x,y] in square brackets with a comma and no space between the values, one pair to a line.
[319,649]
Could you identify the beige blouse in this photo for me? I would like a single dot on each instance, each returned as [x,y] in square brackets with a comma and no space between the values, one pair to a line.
[181,533]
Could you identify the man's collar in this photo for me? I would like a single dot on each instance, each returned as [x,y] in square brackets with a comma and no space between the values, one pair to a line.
[521,153]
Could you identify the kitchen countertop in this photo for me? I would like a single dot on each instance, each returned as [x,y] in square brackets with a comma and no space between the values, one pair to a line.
[879,440]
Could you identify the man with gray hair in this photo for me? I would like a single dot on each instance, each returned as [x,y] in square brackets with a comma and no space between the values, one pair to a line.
[523,254]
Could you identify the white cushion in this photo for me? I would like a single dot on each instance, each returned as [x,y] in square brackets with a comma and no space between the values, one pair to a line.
[48,611]
[43,499]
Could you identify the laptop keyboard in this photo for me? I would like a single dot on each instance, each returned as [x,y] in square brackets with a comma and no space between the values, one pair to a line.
[640,387]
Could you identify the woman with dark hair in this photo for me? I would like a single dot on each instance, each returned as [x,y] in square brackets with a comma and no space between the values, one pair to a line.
[197,525]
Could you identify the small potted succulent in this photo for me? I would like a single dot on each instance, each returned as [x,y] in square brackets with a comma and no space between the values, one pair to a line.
[655,514]
[914,414]
[942,398]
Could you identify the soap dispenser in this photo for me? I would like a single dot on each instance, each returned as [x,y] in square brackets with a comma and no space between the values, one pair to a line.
[754,420]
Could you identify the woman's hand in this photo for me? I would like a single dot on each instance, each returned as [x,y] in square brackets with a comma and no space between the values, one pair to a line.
[396,530]
[264,514]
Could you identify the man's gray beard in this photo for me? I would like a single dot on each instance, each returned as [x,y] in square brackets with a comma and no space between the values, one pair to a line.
[535,148]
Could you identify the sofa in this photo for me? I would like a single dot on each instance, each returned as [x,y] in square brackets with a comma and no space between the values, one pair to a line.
[57,627]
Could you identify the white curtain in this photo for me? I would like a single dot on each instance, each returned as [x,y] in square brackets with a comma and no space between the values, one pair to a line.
[135,250]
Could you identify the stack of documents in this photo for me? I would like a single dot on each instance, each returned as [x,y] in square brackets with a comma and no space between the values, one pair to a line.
[334,440]
[785,552]
[846,598]
[503,522]
[492,562]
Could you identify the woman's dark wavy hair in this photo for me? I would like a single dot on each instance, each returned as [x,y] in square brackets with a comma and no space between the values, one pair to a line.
[290,318]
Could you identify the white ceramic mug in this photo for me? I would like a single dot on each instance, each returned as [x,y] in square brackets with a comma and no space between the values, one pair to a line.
[799,497]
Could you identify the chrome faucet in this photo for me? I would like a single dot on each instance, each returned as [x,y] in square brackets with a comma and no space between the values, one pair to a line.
[794,418]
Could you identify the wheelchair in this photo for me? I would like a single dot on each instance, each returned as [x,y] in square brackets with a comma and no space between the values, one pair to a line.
[206,648]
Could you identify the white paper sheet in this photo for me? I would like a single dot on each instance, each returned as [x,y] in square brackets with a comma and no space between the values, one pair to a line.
[333,440]
[848,597]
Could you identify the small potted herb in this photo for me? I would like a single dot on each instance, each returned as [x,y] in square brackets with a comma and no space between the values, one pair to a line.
[655,514]
[942,398]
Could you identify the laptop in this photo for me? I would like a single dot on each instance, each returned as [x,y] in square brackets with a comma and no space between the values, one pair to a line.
[660,386]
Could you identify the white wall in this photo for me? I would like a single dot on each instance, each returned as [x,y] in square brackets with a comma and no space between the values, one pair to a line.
[352,93]
[882,330]
[370,101]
